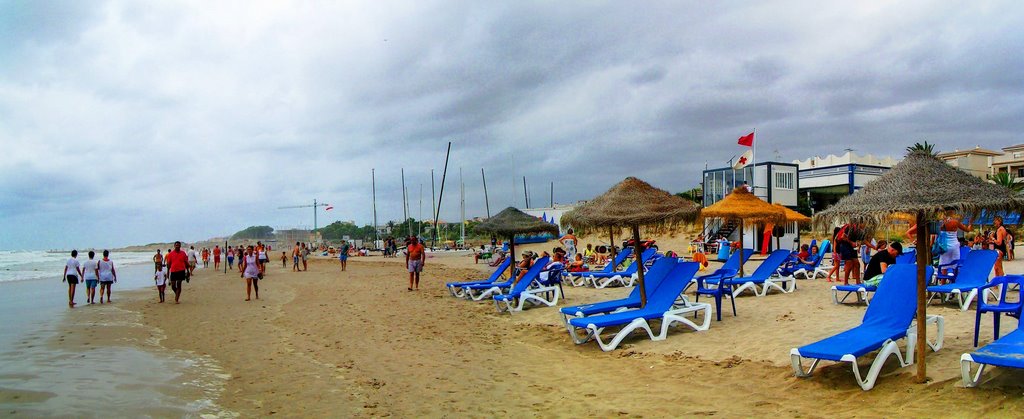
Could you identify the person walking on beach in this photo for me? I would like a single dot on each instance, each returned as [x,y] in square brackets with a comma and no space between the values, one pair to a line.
[251,272]
[89,273]
[72,274]
[295,258]
[569,240]
[263,257]
[305,255]
[231,258]
[415,258]
[343,255]
[158,260]
[177,265]
[284,260]
[999,244]
[216,256]
[160,278]
[193,258]
[108,276]
[206,257]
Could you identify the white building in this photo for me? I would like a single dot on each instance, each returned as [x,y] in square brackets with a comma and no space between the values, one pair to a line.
[774,182]
[825,180]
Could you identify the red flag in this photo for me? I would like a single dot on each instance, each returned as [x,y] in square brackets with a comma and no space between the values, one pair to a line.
[328,208]
[747,140]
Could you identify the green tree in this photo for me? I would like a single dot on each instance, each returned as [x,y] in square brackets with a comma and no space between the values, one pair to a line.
[255,233]
[1007,180]
[695,195]
[924,147]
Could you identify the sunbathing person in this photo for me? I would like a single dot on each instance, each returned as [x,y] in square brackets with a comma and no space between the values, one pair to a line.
[578,265]
[524,265]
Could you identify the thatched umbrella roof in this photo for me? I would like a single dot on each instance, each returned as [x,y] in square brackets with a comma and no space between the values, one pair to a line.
[511,221]
[744,205]
[925,186]
[632,202]
[919,183]
[793,216]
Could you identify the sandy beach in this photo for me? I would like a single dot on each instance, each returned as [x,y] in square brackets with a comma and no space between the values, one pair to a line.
[326,343]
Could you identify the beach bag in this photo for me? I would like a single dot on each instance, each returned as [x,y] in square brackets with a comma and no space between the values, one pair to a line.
[940,246]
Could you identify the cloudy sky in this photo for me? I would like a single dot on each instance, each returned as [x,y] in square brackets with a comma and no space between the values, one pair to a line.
[128,122]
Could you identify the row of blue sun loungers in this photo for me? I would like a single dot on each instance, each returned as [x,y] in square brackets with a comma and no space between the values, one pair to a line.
[888,320]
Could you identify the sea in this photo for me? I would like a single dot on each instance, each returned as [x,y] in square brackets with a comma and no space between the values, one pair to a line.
[115,378]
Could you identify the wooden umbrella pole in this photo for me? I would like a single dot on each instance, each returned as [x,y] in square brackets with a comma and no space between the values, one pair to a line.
[741,248]
[923,260]
[611,237]
[512,254]
[639,268]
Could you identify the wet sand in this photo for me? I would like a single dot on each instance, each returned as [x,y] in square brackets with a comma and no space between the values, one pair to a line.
[327,343]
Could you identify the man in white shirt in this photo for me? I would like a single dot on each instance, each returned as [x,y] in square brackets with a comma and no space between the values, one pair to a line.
[193,258]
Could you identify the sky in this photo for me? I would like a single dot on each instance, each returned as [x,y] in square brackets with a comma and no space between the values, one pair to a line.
[126,122]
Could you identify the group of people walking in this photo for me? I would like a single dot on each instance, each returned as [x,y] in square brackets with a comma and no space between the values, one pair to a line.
[93,272]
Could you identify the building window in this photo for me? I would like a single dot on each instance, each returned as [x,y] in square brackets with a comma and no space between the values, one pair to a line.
[1020,172]
[1017,155]
[784,180]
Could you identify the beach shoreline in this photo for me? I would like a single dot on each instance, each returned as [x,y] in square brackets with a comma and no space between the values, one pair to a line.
[327,343]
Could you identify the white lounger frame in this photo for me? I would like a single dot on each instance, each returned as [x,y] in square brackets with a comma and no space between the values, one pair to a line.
[965,302]
[677,314]
[617,280]
[784,284]
[487,293]
[576,279]
[535,295]
[862,295]
[888,348]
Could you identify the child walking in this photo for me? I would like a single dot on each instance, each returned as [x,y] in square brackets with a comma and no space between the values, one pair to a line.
[284,260]
[160,277]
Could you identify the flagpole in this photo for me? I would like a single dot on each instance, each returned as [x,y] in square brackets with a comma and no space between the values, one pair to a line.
[753,161]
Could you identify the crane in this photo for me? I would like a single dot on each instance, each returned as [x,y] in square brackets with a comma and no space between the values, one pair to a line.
[314,206]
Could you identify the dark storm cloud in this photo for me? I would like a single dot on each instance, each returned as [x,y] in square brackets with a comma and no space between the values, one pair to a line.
[203,118]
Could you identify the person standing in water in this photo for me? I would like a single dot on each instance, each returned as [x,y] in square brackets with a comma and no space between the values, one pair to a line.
[89,273]
[107,274]
[72,274]
[251,272]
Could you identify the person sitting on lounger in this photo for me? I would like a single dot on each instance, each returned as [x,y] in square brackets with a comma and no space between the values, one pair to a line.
[880,262]
[589,255]
[578,265]
[524,265]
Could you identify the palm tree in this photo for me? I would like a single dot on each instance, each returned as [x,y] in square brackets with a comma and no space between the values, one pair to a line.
[925,147]
[1008,180]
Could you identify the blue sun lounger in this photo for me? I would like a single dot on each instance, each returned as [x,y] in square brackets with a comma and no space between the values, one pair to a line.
[763,276]
[539,286]
[728,269]
[578,279]
[887,320]
[455,288]
[666,304]
[652,279]
[1006,352]
[971,276]
[819,266]
[478,292]
[604,279]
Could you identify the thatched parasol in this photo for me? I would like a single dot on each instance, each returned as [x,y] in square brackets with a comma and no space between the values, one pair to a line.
[630,204]
[793,216]
[511,221]
[927,187]
[742,205]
